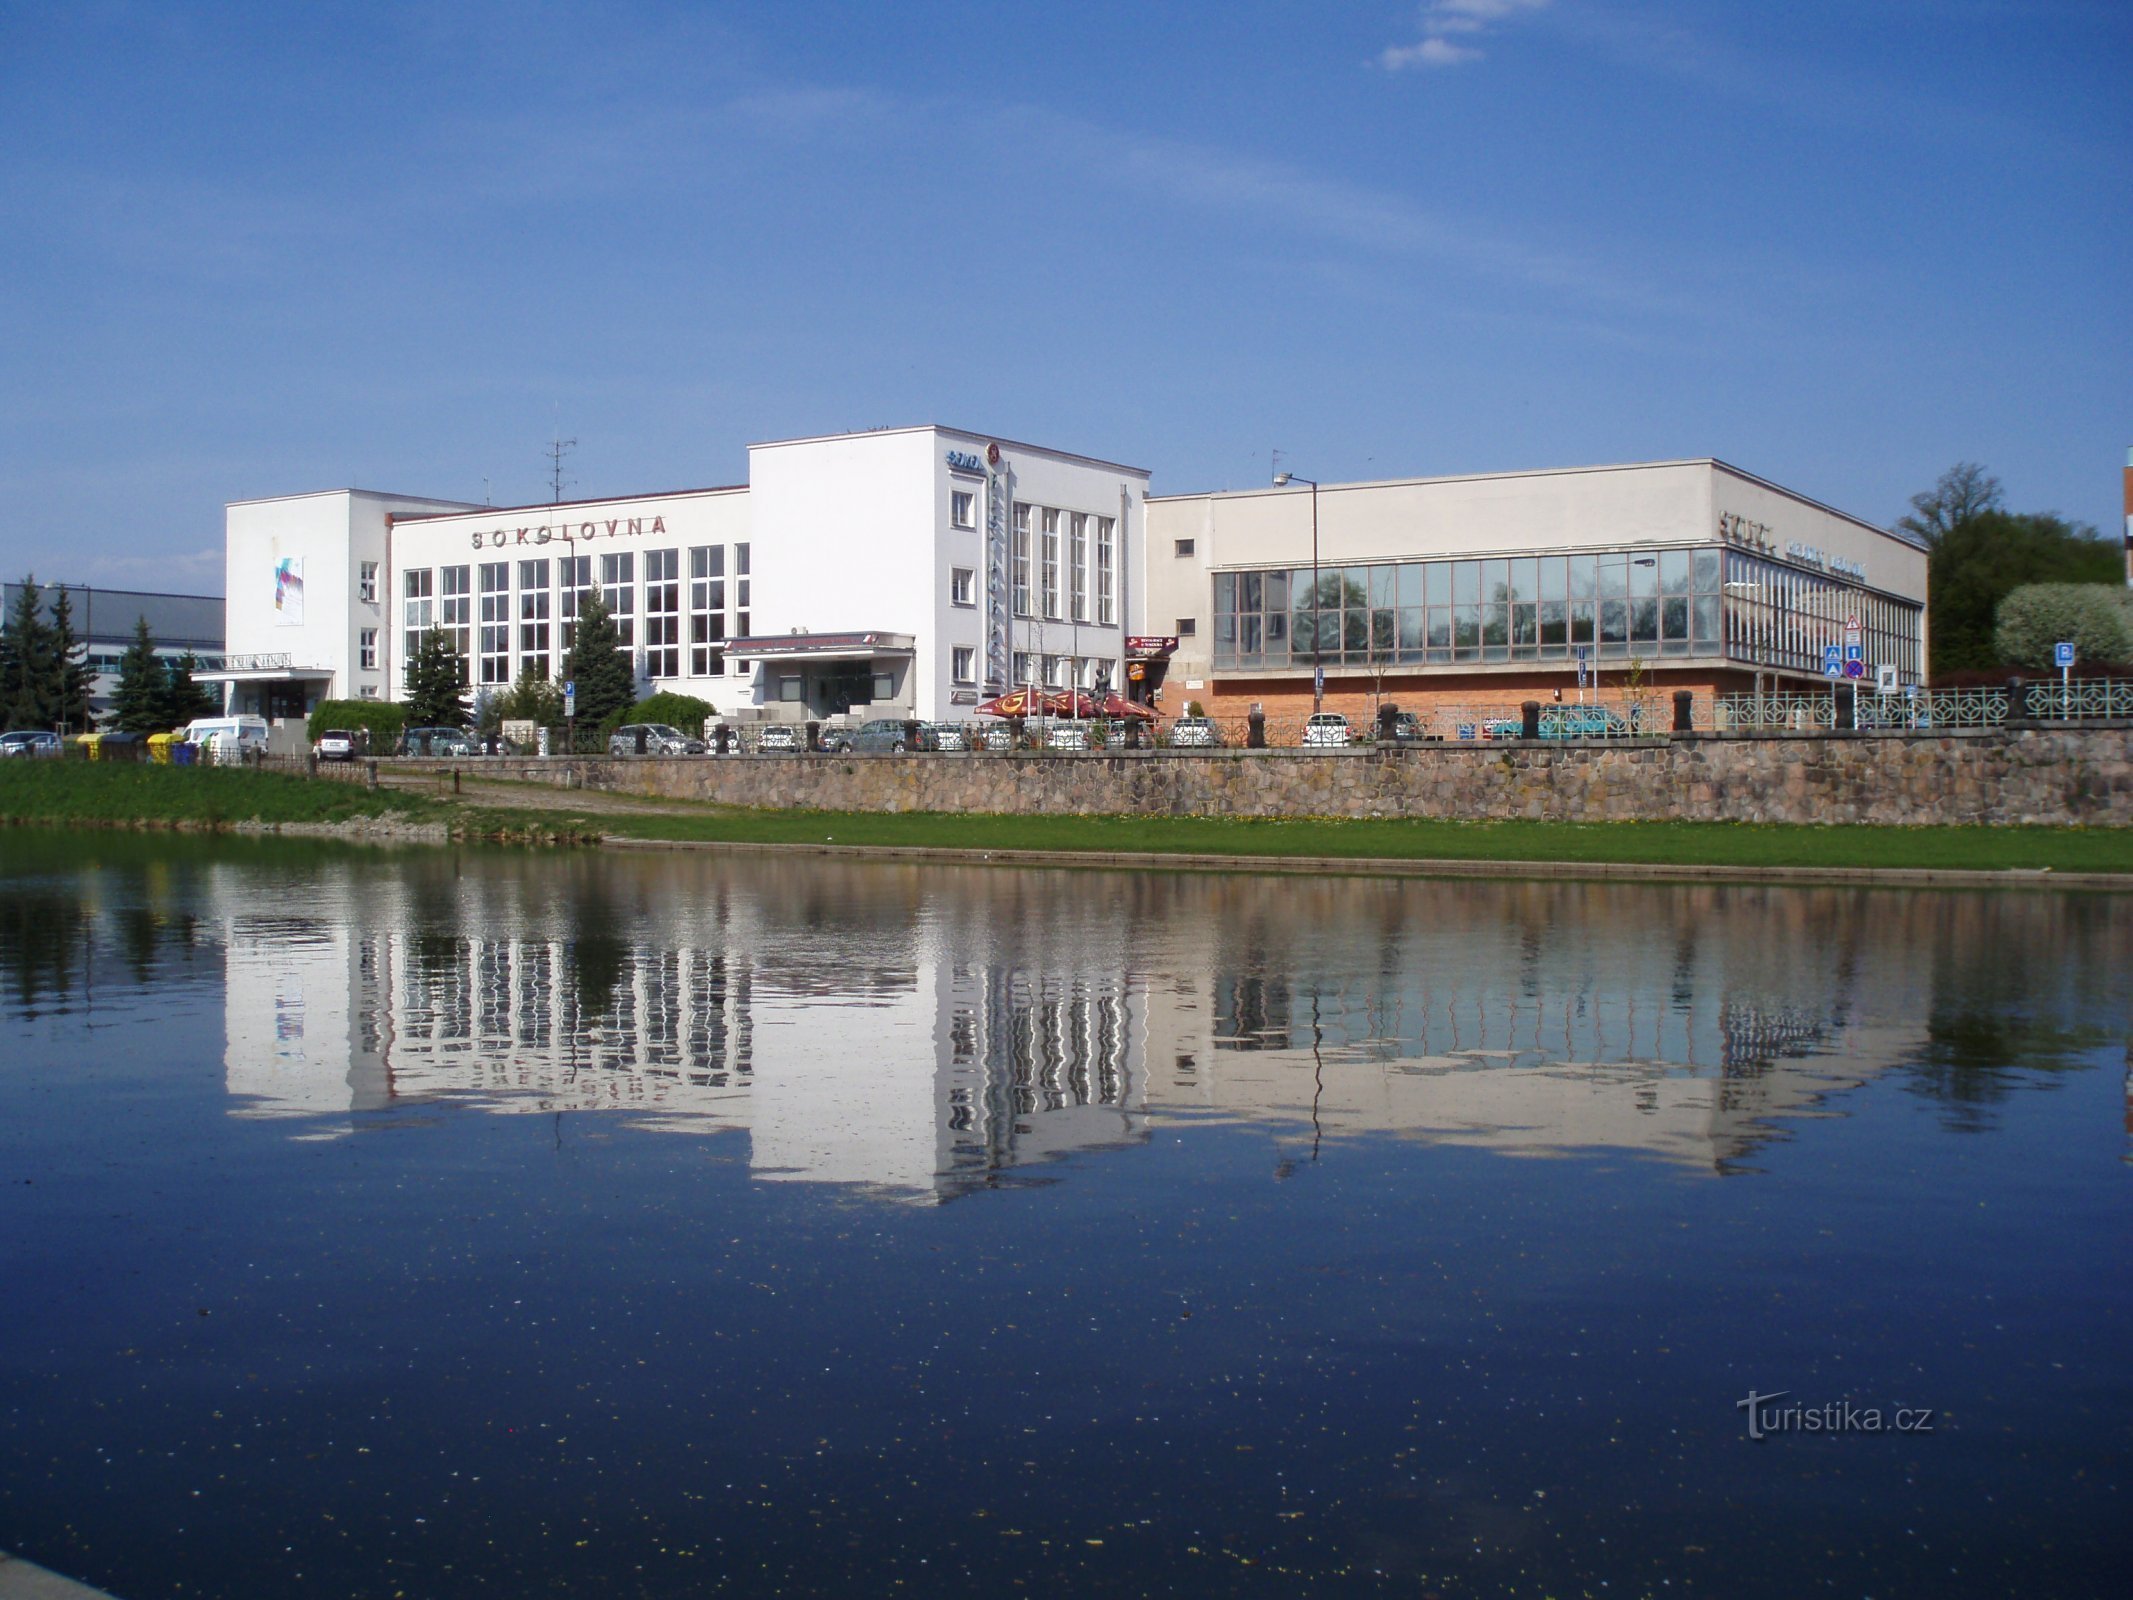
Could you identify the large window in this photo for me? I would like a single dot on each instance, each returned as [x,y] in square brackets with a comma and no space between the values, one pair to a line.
[367,583]
[1078,566]
[573,576]
[1106,568]
[618,591]
[533,623]
[1021,564]
[742,583]
[418,606]
[495,658]
[455,607]
[1613,604]
[707,610]
[662,613]
[1048,597]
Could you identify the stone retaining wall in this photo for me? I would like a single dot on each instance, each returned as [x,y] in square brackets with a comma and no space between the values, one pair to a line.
[2039,775]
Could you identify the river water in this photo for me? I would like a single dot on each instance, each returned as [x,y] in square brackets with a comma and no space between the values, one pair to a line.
[459,1223]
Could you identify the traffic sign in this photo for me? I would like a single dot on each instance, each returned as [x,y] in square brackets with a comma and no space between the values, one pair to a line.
[2063,653]
[1851,625]
[1832,661]
[570,697]
[1855,668]
[1318,681]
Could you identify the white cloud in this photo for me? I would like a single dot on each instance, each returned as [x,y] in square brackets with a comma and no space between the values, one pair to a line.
[1441,20]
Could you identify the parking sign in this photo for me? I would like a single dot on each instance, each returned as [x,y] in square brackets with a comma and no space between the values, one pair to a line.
[2063,653]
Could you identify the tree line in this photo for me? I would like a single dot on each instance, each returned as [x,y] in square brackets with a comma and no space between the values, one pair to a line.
[2004,586]
[45,674]
[437,678]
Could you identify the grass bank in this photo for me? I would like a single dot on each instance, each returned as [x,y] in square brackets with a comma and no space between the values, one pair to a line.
[1721,844]
[213,799]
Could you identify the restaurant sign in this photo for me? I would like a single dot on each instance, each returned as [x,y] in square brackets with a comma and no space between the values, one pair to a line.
[1150,647]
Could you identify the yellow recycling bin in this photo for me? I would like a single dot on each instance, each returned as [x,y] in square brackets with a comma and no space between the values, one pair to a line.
[159,747]
[92,745]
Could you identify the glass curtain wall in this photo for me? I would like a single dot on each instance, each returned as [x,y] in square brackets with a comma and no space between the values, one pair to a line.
[1654,604]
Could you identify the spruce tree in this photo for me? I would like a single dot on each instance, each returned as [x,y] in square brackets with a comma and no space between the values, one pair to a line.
[71,676]
[139,703]
[436,683]
[26,676]
[184,699]
[607,683]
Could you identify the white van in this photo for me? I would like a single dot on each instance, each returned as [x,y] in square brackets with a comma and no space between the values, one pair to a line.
[227,740]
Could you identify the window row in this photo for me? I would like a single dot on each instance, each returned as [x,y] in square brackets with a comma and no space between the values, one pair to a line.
[1064,565]
[507,618]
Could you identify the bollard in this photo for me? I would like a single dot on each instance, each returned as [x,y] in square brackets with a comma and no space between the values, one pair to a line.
[1014,733]
[2017,701]
[1684,718]
[1133,733]
[724,738]
[310,763]
[1255,730]
[814,737]
[911,736]
[370,775]
[1529,723]
[641,736]
[1388,719]
[455,780]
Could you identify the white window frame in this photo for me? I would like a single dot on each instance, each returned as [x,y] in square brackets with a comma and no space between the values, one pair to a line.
[367,583]
[1078,565]
[1106,569]
[963,509]
[1048,571]
[1022,596]
[962,586]
[367,650]
[963,664]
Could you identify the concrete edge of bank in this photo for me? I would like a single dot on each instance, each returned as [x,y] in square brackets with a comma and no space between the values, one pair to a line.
[25,1580]
[1400,867]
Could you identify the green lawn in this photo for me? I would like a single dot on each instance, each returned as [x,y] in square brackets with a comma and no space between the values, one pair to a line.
[143,792]
[1667,843]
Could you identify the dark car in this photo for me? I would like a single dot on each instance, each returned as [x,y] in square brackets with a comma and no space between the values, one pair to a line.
[438,742]
[886,735]
[29,742]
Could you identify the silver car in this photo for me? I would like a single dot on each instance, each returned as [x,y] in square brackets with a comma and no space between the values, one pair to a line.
[1195,733]
[29,742]
[660,739]
[780,738]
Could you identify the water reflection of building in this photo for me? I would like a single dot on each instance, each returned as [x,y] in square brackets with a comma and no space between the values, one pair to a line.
[926,1030]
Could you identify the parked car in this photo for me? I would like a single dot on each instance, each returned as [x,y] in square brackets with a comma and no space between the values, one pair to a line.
[1407,728]
[1195,733]
[837,741]
[335,744]
[887,735]
[438,742]
[947,736]
[1325,729]
[1563,722]
[29,742]
[996,736]
[660,739]
[779,738]
[1066,736]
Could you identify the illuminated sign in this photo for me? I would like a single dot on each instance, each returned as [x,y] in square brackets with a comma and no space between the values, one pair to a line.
[965,461]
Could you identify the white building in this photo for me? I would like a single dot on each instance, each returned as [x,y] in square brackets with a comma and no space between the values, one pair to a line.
[903,572]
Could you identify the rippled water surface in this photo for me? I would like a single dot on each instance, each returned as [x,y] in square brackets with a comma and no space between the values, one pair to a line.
[449,1224]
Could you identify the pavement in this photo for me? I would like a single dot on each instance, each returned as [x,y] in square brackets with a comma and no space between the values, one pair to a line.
[25,1580]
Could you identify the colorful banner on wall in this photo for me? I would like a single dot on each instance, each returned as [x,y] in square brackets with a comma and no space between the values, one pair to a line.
[289,592]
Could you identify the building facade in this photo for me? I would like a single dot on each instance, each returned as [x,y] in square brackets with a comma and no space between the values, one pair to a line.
[104,620]
[906,572]
[1477,590]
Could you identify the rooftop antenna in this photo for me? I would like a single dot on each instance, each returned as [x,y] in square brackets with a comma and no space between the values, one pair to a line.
[557,483]
[485,499]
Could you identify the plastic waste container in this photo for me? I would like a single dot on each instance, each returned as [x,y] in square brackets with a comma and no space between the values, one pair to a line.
[160,746]
[184,753]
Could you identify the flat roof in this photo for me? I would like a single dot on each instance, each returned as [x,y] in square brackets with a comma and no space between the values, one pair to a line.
[1711,462]
[566,505]
[960,433]
[362,494]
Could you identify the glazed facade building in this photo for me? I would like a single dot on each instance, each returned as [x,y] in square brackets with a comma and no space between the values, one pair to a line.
[1454,592]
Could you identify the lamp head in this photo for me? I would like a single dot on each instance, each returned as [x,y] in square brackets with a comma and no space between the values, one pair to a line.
[1281,480]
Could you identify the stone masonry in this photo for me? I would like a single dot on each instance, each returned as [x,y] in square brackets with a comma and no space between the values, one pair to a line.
[2027,775]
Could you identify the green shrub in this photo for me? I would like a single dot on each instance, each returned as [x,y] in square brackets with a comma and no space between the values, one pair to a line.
[2098,617]
[683,711]
[384,719]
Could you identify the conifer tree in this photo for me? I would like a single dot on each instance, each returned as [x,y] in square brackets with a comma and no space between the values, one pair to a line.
[183,698]
[607,683]
[26,662]
[139,703]
[71,675]
[436,684]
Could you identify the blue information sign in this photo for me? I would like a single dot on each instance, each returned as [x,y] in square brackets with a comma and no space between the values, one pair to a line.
[2063,653]
[1832,661]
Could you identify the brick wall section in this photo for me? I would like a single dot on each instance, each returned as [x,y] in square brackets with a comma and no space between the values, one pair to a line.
[2019,776]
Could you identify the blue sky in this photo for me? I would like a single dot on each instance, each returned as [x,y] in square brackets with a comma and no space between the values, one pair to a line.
[250,250]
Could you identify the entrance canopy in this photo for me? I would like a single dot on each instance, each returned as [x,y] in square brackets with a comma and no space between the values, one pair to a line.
[821,646]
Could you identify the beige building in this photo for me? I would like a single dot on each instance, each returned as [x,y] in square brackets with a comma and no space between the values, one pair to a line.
[1494,589]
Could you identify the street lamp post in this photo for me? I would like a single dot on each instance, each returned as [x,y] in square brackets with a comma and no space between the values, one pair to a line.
[1318,669]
